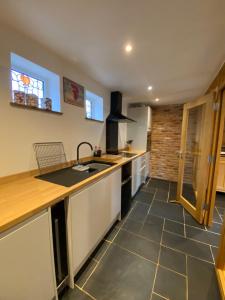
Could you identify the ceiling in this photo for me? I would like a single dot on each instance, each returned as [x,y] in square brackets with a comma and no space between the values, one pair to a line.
[178,45]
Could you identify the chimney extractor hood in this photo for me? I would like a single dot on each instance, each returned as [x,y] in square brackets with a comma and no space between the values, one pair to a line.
[116,109]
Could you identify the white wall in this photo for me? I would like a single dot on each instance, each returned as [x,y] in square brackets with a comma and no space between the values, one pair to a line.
[20,128]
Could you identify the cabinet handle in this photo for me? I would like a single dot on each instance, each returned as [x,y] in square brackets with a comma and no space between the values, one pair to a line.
[58,252]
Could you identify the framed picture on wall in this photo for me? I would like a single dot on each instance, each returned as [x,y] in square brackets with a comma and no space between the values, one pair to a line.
[73,92]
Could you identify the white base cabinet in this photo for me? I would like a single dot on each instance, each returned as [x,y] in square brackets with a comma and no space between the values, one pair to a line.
[140,171]
[91,213]
[136,175]
[26,261]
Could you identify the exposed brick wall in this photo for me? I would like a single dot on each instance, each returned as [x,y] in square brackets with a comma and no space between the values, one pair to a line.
[165,141]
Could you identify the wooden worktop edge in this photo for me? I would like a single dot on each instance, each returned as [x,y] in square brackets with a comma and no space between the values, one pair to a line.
[62,194]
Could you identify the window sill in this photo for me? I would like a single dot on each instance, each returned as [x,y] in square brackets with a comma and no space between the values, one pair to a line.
[35,108]
[93,120]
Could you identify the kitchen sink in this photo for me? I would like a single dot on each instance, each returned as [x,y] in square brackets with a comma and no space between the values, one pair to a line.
[127,154]
[98,166]
[69,176]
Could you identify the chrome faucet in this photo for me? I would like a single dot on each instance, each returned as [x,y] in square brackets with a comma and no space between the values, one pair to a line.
[78,150]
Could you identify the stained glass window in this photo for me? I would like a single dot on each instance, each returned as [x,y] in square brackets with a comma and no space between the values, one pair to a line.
[25,88]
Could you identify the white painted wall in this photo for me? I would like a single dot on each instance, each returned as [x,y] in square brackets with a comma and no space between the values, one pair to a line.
[20,128]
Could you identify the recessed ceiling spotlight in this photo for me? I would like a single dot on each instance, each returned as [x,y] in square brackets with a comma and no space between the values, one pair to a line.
[149,87]
[128,48]
[156,99]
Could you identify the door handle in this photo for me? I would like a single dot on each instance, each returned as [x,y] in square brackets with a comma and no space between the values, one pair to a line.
[180,154]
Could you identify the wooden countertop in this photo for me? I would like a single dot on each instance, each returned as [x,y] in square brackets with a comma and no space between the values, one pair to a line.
[23,197]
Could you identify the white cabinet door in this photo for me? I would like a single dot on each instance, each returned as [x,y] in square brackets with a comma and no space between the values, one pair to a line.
[26,262]
[92,211]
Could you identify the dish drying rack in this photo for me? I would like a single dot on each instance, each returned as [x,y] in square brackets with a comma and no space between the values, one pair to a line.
[49,154]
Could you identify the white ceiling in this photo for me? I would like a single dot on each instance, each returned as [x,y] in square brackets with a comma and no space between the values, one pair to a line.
[178,45]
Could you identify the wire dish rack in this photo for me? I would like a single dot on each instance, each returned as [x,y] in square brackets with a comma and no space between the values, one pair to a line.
[49,154]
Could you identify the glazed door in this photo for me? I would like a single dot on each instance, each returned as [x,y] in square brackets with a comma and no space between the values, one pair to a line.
[194,158]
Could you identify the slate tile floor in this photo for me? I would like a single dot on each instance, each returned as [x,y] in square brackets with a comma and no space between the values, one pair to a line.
[157,252]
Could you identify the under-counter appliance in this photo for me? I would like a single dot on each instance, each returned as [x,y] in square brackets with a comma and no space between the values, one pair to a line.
[59,243]
[126,186]
[112,123]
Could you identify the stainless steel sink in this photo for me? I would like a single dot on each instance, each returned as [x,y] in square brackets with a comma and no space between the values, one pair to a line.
[98,166]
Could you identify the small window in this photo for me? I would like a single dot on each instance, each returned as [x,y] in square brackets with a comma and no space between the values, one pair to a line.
[88,109]
[94,106]
[27,85]
[34,86]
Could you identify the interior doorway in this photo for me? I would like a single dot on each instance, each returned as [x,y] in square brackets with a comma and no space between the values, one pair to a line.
[199,119]
[216,200]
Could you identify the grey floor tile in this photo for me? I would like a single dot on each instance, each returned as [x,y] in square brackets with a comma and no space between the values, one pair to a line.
[172,195]
[153,219]
[120,223]
[139,245]
[170,285]
[152,228]
[216,216]
[202,282]
[214,252]
[84,273]
[74,294]
[221,211]
[156,297]
[216,227]
[121,276]
[203,236]
[220,200]
[167,210]
[173,186]
[161,195]
[174,227]
[145,197]
[148,189]
[173,260]
[189,193]
[189,220]
[132,226]
[139,212]
[100,250]
[159,184]
[133,203]
[187,246]
[112,233]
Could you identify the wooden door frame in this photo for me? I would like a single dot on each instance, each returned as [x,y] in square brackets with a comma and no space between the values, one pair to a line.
[216,149]
[220,263]
[196,212]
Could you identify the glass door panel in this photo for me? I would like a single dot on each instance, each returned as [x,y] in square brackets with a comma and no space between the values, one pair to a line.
[196,141]
[192,154]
